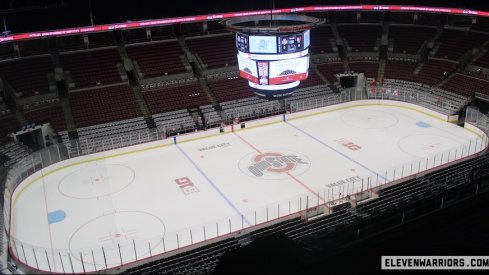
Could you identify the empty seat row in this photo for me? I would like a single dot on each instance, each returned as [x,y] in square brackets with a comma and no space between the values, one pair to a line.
[103,105]
[169,98]
[92,68]
[158,58]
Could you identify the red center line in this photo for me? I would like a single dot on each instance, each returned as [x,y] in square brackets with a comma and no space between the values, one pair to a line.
[249,144]
[316,194]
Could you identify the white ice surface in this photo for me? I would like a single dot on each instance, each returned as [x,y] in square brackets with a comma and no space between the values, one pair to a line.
[135,196]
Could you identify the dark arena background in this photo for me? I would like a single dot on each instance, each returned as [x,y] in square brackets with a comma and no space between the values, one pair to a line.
[90,81]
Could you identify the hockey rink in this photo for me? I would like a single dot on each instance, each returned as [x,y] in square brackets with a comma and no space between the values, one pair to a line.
[146,202]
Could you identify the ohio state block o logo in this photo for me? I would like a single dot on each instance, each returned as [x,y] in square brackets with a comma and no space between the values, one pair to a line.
[274,164]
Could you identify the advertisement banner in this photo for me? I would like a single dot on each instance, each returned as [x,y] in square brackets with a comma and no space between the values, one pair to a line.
[285,71]
[247,69]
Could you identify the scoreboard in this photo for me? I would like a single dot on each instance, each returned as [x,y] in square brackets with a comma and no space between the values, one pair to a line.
[273,64]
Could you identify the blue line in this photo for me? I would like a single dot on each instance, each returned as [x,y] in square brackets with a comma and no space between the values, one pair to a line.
[365,167]
[213,185]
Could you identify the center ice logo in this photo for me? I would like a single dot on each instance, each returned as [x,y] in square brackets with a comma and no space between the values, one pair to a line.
[274,165]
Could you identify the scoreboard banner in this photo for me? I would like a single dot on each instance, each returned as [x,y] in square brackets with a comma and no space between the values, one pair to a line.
[265,72]
[247,69]
[289,70]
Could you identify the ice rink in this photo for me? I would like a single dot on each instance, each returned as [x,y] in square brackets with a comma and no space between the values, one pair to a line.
[145,202]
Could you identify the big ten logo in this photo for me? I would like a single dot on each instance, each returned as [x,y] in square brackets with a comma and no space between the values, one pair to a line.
[348,144]
[187,186]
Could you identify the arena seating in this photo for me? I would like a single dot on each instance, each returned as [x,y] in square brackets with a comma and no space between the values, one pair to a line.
[437,99]
[52,114]
[466,85]
[101,39]
[33,47]
[320,40]
[310,92]
[191,29]
[345,17]
[211,117]
[163,32]
[8,124]
[28,76]
[215,51]
[134,36]
[434,71]
[313,79]
[313,226]
[197,261]
[92,68]
[70,43]
[3,109]
[314,97]
[249,108]
[3,159]
[230,89]
[430,19]
[371,17]
[112,129]
[411,43]
[215,27]
[330,69]
[6,50]
[177,121]
[456,43]
[169,98]
[401,17]
[157,59]
[399,70]
[103,105]
[14,151]
[483,60]
[370,69]
[361,38]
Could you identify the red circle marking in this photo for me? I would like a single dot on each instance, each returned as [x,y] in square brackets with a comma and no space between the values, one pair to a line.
[288,167]
[261,156]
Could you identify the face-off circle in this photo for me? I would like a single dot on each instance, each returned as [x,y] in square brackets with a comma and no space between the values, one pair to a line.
[426,145]
[95,181]
[274,164]
[371,119]
[115,230]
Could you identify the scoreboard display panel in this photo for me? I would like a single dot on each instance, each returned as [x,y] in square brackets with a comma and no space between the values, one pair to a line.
[242,42]
[307,39]
[290,43]
[263,44]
